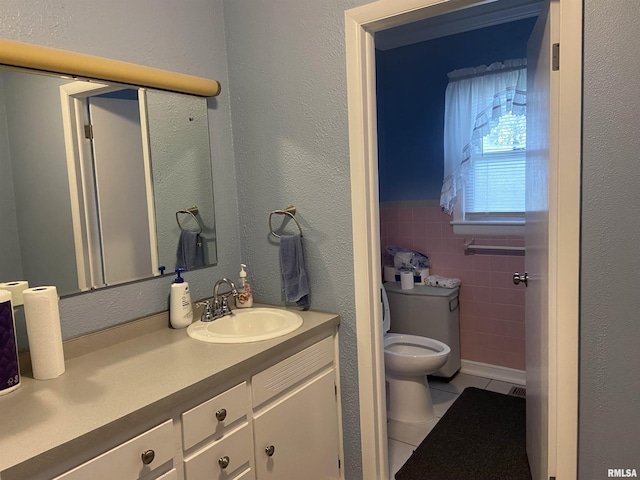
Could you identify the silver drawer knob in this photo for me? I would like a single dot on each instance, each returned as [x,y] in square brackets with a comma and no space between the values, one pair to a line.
[270,450]
[148,456]
[223,462]
[221,414]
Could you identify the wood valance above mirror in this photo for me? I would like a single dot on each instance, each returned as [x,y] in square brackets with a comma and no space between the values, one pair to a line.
[82,66]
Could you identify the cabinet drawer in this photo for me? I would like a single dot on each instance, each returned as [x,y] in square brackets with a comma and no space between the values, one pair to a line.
[214,416]
[208,463]
[124,462]
[288,372]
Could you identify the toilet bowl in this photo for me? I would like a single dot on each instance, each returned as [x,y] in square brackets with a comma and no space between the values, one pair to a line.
[410,355]
[408,359]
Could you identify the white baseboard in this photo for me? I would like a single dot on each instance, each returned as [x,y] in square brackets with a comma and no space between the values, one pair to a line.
[494,372]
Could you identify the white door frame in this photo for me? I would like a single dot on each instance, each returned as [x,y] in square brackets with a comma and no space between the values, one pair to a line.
[73,99]
[74,116]
[360,25]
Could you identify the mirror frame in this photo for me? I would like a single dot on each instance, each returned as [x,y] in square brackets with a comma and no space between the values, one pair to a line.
[89,67]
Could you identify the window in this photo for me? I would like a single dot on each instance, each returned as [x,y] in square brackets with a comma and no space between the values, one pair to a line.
[485,149]
[495,187]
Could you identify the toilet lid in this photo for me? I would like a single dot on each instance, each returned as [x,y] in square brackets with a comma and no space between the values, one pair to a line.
[386,313]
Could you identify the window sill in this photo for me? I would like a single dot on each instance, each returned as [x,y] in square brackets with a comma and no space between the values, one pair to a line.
[488,229]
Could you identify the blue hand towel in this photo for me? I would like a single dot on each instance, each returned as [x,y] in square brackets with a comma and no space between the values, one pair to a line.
[190,253]
[294,276]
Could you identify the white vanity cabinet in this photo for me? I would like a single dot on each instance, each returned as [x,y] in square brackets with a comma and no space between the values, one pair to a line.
[291,432]
[296,432]
[261,411]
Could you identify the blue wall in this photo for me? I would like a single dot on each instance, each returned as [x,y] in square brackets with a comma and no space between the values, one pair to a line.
[609,326]
[411,84]
[287,74]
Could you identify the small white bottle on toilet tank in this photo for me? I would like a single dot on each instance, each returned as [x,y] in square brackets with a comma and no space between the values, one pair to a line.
[180,309]
[245,294]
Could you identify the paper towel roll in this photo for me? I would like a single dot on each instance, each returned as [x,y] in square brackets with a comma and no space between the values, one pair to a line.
[406,280]
[390,273]
[9,369]
[16,288]
[423,273]
[43,330]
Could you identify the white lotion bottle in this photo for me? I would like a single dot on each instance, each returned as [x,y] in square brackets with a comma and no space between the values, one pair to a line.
[245,295]
[180,309]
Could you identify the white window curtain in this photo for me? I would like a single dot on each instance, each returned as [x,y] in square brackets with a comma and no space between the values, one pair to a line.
[475,99]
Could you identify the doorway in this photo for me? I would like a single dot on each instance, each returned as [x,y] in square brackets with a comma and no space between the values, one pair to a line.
[561,364]
[411,83]
[105,129]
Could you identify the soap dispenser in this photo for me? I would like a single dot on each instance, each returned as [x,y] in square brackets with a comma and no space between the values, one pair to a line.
[180,309]
[245,295]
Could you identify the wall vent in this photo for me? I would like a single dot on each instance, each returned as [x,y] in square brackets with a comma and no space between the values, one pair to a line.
[518,392]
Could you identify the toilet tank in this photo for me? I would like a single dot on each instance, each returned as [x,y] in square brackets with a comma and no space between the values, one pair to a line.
[431,312]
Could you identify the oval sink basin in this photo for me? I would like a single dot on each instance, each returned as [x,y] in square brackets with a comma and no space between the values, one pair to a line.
[244,326]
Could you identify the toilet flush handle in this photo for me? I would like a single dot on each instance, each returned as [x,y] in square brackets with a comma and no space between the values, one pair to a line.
[517,278]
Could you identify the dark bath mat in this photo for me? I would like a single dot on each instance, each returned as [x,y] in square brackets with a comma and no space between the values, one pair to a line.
[480,437]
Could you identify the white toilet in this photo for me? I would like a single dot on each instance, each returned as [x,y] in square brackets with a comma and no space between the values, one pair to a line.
[408,359]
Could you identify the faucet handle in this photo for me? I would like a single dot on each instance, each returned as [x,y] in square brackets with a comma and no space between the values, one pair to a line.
[208,313]
[224,308]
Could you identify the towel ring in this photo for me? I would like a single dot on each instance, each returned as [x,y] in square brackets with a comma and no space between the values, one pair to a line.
[193,211]
[290,211]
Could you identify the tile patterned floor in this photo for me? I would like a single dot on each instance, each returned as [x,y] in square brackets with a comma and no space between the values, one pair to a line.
[404,438]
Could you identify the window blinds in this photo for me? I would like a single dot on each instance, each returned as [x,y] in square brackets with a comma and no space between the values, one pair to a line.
[496,183]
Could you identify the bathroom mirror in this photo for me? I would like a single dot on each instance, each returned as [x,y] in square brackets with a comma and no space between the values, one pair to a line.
[93,177]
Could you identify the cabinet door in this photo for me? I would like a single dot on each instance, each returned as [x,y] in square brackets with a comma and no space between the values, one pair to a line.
[300,431]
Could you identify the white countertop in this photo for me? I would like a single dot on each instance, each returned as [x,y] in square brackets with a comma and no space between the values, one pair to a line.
[110,383]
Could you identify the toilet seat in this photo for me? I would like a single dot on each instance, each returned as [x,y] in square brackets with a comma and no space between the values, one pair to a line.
[409,355]
[413,345]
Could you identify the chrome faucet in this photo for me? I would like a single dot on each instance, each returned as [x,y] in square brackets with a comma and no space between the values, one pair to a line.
[220,307]
[220,300]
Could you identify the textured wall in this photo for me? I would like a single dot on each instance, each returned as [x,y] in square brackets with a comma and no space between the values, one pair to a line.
[610,265]
[288,89]
[138,34]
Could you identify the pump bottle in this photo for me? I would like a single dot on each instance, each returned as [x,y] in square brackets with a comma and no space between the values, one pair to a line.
[245,294]
[180,309]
